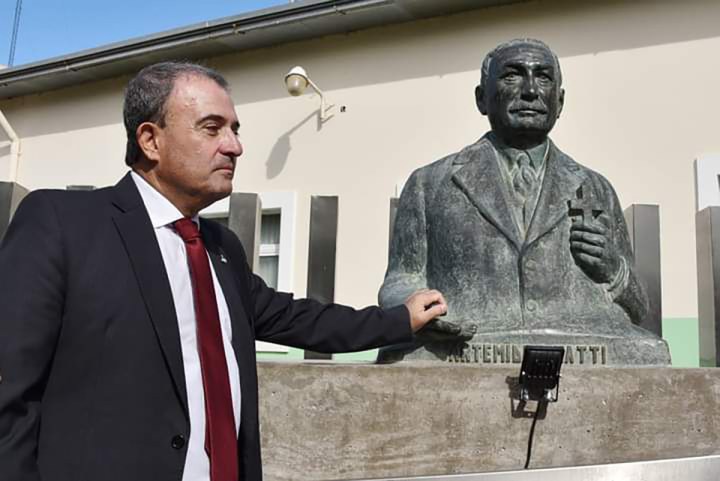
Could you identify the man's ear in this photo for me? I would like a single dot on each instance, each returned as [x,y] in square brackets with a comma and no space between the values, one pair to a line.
[561,101]
[480,100]
[148,138]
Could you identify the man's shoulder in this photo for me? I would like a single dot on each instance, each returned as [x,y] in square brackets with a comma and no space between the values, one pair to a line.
[76,213]
[81,200]
[62,200]
[80,215]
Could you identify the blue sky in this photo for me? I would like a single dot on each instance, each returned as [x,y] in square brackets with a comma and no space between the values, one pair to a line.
[49,28]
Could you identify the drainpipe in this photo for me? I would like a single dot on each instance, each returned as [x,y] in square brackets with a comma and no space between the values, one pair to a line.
[14,147]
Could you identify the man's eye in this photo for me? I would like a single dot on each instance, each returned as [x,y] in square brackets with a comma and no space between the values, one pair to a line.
[212,129]
[511,76]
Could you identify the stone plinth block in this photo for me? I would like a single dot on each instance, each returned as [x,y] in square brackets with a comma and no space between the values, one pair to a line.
[323,421]
[634,347]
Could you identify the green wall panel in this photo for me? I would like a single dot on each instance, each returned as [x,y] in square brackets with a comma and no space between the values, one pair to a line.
[681,333]
[357,356]
[292,354]
[295,354]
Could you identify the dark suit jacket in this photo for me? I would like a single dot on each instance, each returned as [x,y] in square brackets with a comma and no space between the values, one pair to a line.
[454,232]
[92,382]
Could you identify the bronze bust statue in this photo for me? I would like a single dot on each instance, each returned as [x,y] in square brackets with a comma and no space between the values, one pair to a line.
[527,245]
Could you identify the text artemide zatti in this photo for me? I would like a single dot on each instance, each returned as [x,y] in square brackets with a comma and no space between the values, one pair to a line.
[512,353]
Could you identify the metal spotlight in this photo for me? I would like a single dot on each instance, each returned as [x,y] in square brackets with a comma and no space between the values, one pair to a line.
[540,373]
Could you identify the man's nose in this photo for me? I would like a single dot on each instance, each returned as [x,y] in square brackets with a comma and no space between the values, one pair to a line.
[529,89]
[231,145]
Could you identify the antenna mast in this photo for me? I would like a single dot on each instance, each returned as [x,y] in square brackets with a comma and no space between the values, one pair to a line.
[16,27]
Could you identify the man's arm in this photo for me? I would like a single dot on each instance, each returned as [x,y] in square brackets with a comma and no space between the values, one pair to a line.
[308,324]
[31,296]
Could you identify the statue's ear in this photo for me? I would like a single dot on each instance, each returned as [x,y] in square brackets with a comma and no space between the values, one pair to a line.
[561,101]
[480,100]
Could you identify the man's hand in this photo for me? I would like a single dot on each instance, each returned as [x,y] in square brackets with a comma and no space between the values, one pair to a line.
[425,305]
[592,248]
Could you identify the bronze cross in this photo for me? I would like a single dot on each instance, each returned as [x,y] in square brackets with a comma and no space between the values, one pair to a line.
[584,205]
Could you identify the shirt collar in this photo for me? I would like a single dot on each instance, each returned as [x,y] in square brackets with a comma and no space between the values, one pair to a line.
[537,154]
[162,212]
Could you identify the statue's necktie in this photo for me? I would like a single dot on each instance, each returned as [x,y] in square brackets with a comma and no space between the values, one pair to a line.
[220,434]
[524,182]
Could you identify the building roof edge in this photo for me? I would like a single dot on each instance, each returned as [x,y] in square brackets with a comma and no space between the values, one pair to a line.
[296,21]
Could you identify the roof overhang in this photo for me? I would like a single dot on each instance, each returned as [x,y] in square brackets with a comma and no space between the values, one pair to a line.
[295,21]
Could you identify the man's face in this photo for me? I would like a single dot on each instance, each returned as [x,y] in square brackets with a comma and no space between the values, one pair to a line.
[523,97]
[198,146]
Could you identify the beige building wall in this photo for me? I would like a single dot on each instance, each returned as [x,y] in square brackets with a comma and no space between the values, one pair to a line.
[640,107]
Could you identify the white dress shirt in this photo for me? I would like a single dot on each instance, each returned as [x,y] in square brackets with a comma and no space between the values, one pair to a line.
[162,214]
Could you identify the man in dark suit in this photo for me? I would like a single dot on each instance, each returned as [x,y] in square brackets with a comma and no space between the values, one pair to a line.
[527,245]
[127,331]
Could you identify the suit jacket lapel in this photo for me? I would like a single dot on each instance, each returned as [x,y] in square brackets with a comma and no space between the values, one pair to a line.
[230,272]
[136,231]
[479,177]
[562,179]
[241,335]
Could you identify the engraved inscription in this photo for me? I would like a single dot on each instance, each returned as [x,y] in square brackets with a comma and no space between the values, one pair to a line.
[488,353]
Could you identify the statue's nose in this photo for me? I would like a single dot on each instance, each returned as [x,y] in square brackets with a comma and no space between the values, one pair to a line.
[529,88]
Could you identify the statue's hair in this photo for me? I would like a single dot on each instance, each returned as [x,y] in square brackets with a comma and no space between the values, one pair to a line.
[487,62]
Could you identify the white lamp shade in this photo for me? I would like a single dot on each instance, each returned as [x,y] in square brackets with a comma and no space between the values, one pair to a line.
[296,81]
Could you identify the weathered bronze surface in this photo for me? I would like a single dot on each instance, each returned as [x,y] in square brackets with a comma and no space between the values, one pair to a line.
[527,245]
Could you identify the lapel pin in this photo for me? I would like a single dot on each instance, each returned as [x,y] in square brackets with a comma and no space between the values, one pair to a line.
[223,259]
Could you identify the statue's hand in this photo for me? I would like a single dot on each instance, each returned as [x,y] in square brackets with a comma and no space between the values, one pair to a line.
[592,248]
[446,331]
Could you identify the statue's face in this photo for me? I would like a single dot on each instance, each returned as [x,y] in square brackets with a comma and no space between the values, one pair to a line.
[523,97]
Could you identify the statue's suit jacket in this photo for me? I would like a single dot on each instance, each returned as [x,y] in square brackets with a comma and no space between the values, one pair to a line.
[92,385]
[454,231]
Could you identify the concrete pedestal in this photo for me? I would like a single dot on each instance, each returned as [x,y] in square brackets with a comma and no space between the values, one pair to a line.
[324,421]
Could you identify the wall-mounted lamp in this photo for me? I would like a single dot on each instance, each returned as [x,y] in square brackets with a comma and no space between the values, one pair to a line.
[297,81]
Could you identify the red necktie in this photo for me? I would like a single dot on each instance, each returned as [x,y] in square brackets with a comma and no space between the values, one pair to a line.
[220,434]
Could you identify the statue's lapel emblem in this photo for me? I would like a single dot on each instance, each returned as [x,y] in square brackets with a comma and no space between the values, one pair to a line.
[559,186]
[480,179]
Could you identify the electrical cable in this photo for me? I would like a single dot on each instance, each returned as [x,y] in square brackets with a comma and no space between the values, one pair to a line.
[16,28]
[542,404]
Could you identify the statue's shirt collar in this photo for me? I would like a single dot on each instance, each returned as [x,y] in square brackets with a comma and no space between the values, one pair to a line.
[538,154]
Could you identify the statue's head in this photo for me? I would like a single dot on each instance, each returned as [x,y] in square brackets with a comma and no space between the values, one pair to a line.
[521,91]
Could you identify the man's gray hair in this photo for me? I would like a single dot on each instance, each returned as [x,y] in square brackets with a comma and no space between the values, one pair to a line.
[487,62]
[147,93]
